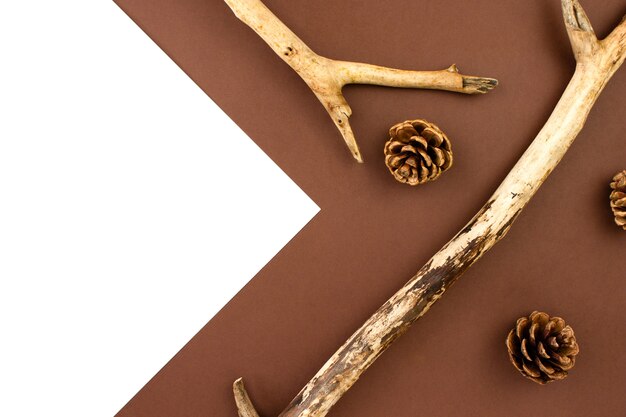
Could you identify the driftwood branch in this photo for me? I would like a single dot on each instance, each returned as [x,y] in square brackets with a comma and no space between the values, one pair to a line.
[596,61]
[326,77]
[244,404]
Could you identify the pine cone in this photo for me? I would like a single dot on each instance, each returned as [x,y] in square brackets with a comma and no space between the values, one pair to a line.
[618,199]
[542,348]
[417,152]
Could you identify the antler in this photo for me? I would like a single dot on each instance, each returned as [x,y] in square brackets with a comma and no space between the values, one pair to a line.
[597,61]
[326,77]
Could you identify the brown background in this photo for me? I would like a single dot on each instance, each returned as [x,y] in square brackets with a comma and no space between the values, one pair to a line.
[563,255]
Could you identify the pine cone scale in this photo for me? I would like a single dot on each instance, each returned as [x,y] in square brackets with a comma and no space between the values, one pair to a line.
[544,367]
[525,350]
[531,370]
[438,156]
[434,137]
[412,161]
[396,161]
[532,333]
[421,142]
[542,351]
[520,327]
[404,171]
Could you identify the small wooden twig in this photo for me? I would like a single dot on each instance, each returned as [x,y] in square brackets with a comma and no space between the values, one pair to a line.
[327,77]
[244,405]
[596,61]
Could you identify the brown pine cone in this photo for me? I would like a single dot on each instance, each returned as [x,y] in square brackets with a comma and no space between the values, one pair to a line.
[618,199]
[542,348]
[417,151]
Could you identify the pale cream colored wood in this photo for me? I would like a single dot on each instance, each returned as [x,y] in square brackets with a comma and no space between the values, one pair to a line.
[326,77]
[244,405]
[596,61]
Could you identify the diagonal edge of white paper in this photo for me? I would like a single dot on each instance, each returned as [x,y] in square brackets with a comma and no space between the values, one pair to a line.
[119,238]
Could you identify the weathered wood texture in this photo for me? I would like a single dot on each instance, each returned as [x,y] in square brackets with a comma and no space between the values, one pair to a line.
[244,405]
[327,77]
[597,61]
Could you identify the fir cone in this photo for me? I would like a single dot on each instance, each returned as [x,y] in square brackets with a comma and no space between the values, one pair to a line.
[542,348]
[417,151]
[618,199]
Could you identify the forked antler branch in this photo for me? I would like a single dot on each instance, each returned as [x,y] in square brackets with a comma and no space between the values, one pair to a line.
[597,61]
[326,77]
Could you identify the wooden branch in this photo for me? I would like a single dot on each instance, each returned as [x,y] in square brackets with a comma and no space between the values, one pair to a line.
[596,61]
[244,405]
[326,77]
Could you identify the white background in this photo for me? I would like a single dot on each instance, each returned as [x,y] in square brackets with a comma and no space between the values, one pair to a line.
[119,238]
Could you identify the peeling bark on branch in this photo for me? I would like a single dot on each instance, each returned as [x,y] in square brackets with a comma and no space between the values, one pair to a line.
[327,77]
[597,61]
